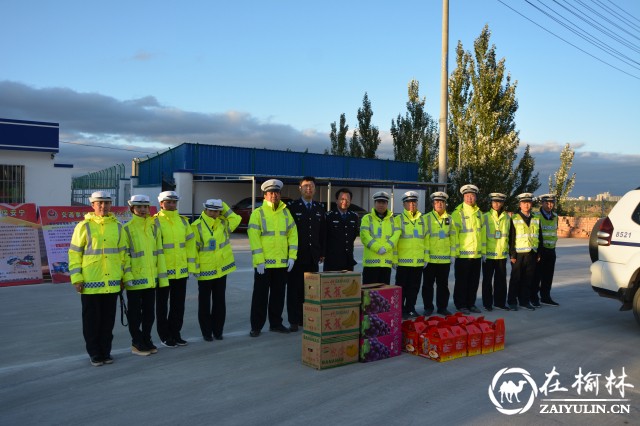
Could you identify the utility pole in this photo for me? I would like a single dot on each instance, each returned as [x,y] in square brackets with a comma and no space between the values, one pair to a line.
[444,93]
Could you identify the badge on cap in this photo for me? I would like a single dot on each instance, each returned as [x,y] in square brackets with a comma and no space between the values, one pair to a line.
[469,188]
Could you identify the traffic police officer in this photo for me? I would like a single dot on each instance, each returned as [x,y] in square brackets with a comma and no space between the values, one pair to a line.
[379,237]
[309,217]
[494,267]
[546,253]
[409,256]
[343,226]
[273,239]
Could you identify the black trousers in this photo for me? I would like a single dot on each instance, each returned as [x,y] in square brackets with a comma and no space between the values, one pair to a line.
[522,274]
[338,263]
[544,276]
[141,314]
[268,297]
[375,274]
[438,273]
[494,282]
[409,277]
[170,308]
[467,281]
[295,290]
[98,318]
[212,306]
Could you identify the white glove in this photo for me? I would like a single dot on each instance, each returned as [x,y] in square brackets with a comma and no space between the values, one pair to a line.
[260,268]
[394,265]
[290,263]
[382,250]
[453,258]
[484,258]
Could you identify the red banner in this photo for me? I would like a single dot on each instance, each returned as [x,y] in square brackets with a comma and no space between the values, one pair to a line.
[20,261]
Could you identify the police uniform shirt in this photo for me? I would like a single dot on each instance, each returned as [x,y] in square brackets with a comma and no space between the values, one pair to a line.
[342,230]
[310,221]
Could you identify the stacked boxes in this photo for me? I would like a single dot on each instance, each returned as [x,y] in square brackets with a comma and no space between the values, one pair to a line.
[380,322]
[331,319]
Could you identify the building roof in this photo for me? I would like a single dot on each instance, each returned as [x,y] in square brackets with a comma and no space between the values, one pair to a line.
[25,135]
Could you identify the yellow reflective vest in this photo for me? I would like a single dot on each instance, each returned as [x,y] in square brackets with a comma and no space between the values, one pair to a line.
[440,239]
[273,236]
[97,254]
[410,249]
[526,236]
[214,255]
[144,244]
[376,233]
[471,236]
[497,228]
[178,243]
[548,230]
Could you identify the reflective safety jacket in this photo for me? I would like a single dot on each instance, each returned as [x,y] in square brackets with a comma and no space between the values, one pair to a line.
[524,234]
[376,233]
[410,249]
[548,230]
[144,244]
[440,239]
[273,236]
[497,230]
[97,254]
[178,243]
[469,231]
[214,256]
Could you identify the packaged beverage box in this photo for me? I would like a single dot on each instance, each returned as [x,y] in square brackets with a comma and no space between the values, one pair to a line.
[438,344]
[327,320]
[488,336]
[381,347]
[500,334]
[380,298]
[412,338]
[328,352]
[474,339]
[374,325]
[332,287]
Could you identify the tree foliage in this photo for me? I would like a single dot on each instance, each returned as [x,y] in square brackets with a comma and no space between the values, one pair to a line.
[367,135]
[483,139]
[415,135]
[338,137]
[560,184]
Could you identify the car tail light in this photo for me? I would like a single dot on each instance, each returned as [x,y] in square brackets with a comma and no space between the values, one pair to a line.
[605,232]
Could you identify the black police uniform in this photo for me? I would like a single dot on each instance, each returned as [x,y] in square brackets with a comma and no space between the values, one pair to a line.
[342,230]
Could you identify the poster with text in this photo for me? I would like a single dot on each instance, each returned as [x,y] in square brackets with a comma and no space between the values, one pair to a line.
[20,261]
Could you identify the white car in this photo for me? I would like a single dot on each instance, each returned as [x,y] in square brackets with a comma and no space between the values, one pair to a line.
[614,247]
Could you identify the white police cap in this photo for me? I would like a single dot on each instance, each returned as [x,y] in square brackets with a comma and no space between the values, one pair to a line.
[213,204]
[525,196]
[547,197]
[168,196]
[410,196]
[497,196]
[139,200]
[442,196]
[100,196]
[381,196]
[469,188]
[272,185]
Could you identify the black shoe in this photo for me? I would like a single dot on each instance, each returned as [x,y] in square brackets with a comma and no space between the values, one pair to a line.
[218,336]
[502,308]
[549,302]
[427,312]
[151,347]
[254,333]
[413,314]
[141,350]
[444,312]
[96,361]
[513,307]
[465,311]
[528,307]
[475,309]
[536,304]
[488,308]
[169,343]
[279,329]
[293,328]
[181,342]
[208,338]
[107,359]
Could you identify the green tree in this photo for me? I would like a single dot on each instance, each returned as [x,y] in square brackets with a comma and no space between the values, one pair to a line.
[415,135]
[560,184]
[483,139]
[368,136]
[355,148]
[525,180]
[339,137]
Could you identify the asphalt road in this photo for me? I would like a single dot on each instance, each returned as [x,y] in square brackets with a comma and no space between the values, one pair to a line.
[46,377]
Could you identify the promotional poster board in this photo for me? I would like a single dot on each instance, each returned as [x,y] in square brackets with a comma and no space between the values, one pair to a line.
[20,261]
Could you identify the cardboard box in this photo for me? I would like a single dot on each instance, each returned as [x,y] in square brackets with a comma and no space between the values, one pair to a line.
[460,341]
[474,339]
[488,336]
[323,320]
[380,298]
[381,347]
[328,352]
[332,287]
[439,344]
[374,325]
[412,338]
[500,334]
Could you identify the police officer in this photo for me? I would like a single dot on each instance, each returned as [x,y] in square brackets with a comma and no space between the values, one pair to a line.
[440,249]
[523,244]
[471,243]
[380,238]
[214,261]
[273,239]
[494,267]
[409,256]
[546,253]
[179,247]
[343,226]
[148,271]
[309,217]
[98,260]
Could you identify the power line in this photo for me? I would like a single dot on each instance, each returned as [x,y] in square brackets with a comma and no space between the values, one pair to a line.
[109,147]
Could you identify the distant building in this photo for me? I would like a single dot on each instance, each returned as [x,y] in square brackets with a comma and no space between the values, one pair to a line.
[606,196]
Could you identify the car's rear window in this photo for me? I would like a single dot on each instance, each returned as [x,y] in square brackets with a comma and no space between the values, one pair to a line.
[636,215]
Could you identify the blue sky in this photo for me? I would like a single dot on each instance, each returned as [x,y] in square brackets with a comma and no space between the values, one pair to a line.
[145,75]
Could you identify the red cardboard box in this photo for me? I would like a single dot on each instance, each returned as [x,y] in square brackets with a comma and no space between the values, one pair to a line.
[460,340]
[500,335]
[381,347]
[474,339]
[412,339]
[488,336]
[380,298]
[439,344]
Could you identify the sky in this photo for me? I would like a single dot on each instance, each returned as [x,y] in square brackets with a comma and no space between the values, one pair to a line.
[130,79]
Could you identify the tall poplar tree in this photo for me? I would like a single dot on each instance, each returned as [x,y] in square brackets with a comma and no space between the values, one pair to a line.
[339,137]
[560,184]
[368,136]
